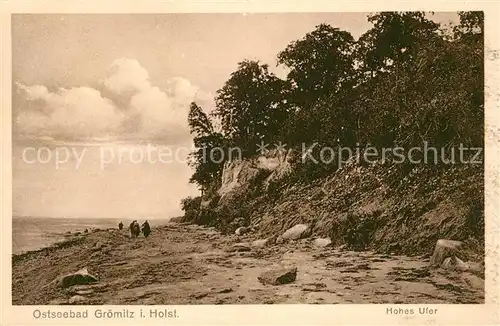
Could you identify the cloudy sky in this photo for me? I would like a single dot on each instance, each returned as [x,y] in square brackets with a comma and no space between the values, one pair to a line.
[125,79]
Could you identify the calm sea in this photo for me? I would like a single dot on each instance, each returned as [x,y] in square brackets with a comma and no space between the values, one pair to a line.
[32,233]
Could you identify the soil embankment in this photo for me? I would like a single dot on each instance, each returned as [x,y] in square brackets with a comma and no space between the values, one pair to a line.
[189,264]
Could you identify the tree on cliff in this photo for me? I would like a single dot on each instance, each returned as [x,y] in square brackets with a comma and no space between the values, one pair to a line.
[249,106]
[471,25]
[321,76]
[198,121]
[205,159]
[404,81]
[320,64]
[394,39]
[422,87]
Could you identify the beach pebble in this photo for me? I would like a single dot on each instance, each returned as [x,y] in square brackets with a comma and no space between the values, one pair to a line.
[322,242]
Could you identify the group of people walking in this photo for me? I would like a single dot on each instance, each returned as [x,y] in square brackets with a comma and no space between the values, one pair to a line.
[135,229]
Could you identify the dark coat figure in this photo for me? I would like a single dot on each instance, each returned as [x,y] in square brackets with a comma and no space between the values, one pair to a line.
[120,226]
[146,229]
[135,229]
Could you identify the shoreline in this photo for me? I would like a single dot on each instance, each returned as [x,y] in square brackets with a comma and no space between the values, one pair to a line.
[46,236]
[70,240]
[191,264]
[66,239]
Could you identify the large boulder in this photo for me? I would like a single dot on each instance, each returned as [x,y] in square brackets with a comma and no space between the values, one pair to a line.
[445,249]
[81,277]
[278,276]
[455,263]
[297,232]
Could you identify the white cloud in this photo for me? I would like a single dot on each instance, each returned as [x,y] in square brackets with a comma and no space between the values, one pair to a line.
[181,89]
[71,113]
[128,106]
[158,114]
[35,92]
[126,76]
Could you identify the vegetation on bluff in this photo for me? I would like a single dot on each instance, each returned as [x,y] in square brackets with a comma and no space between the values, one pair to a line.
[405,81]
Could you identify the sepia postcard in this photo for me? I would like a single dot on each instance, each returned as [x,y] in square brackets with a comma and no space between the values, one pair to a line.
[250,163]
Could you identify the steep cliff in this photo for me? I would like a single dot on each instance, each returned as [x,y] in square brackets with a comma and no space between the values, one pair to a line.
[377,206]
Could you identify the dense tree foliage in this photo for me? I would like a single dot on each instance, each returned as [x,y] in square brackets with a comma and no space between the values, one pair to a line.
[206,161]
[403,82]
[320,64]
[394,39]
[249,106]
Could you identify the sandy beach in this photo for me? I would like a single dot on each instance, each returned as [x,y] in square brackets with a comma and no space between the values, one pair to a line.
[189,264]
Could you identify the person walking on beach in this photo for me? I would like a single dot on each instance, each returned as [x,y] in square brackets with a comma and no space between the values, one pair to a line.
[135,230]
[120,226]
[146,229]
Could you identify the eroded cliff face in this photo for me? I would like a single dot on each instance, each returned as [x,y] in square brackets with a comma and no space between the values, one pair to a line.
[370,208]
[238,176]
[372,205]
[228,206]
